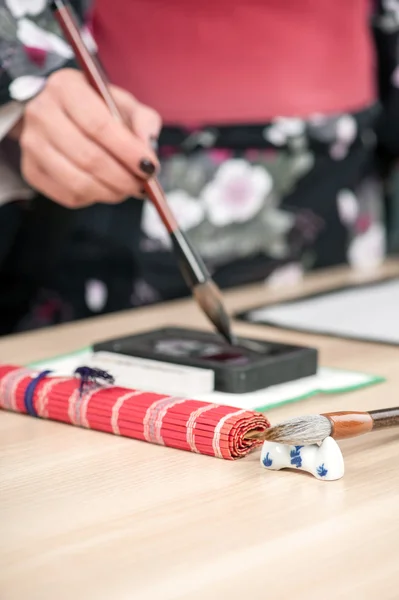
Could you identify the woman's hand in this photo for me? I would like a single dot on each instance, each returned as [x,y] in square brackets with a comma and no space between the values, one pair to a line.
[75,152]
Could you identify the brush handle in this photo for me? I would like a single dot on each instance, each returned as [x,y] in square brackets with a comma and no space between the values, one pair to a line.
[88,63]
[347,424]
[385,417]
[192,267]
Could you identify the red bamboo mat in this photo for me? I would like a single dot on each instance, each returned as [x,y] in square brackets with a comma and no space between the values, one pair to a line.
[180,423]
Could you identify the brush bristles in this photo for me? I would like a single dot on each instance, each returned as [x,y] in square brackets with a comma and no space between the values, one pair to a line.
[304,431]
[209,298]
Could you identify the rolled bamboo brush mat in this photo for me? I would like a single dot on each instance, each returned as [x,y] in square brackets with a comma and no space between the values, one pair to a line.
[180,423]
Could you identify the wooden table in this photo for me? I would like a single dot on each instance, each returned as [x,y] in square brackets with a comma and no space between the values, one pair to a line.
[85,515]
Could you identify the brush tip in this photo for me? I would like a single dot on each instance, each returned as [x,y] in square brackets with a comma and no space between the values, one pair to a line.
[305,431]
[209,298]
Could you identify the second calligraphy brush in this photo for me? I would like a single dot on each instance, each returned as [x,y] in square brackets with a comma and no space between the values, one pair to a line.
[313,429]
[193,269]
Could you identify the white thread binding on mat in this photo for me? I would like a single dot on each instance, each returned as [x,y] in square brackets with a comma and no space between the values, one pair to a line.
[8,388]
[192,422]
[117,408]
[155,415]
[44,394]
[218,429]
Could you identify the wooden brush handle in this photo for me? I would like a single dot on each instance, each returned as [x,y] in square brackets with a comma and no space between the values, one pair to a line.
[385,417]
[346,424]
[98,80]
[89,65]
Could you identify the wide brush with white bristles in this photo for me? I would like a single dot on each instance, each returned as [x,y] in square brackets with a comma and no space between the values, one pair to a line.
[313,429]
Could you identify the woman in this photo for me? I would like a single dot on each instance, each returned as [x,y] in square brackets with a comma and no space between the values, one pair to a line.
[274,124]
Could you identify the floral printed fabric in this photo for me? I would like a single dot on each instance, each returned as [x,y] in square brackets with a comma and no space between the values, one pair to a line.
[241,204]
[230,203]
[31,47]
[260,203]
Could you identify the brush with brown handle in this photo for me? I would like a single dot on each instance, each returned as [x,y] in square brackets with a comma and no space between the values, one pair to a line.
[313,429]
[193,269]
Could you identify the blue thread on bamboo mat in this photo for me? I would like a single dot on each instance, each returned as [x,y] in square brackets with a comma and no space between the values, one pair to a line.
[30,393]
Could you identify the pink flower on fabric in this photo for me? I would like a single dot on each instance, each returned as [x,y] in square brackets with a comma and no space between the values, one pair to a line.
[363,223]
[32,36]
[219,156]
[36,55]
[286,276]
[237,193]
[367,251]
[20,8]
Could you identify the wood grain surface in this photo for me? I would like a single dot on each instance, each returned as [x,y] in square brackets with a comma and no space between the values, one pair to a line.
[89,516]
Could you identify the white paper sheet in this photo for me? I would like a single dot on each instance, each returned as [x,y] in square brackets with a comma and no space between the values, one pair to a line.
[368,313]
[140,373]
[327,381]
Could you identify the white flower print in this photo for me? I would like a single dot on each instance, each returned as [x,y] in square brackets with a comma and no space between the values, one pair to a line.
[338,151]
[346,129]
[348,207]
[20,8]
[33,36]
[282,129]
[89,40]
[388,20]
[188,212]
[237,193]
[317,119]
[395,77]
[367,251]
[392,7]
[289,275]
[96,294]
[143,293]
[25,87]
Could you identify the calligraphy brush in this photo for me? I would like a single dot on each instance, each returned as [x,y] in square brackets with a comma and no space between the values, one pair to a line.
[193,269]
[313,429]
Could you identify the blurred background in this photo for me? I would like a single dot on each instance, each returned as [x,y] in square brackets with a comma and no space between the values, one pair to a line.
[279,150]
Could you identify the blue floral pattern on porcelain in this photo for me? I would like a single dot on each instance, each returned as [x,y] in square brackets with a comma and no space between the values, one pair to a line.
[322,471]
[325,462]
[295,455]
[267,461]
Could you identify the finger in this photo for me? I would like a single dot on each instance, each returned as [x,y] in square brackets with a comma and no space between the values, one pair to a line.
[144,121]
[86,155]
[81,186]
[92,116]
[36,176]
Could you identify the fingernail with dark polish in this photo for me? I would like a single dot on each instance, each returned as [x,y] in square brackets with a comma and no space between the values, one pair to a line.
[147,167]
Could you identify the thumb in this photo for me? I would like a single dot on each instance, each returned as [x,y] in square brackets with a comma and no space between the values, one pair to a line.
[144,121]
